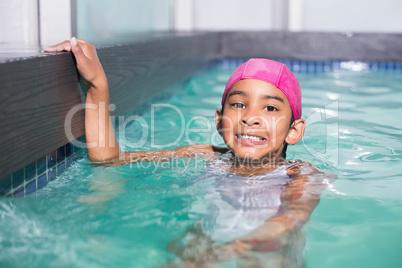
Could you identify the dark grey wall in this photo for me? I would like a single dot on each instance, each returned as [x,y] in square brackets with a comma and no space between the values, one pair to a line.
[312,45]
[36,94]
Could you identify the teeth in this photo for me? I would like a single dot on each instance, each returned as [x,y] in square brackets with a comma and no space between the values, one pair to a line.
[251,138]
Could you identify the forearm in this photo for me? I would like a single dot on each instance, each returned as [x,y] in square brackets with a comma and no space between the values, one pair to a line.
[101,141]
[298,201]
[297,204]
[274,233]
[293,215]
[206,152]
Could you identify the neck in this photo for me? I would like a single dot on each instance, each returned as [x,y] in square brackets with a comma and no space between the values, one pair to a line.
[264,162]
[247,168]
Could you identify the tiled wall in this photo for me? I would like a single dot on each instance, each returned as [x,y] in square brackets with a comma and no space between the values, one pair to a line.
[38,173]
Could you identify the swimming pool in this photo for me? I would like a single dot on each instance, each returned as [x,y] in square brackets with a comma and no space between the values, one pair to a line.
[125,216]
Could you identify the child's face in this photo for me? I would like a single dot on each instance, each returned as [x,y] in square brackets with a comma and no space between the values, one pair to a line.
[256,119]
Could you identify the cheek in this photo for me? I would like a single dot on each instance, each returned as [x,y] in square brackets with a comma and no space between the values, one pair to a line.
[228,122]
[278,129]
[228,127]
[227,130]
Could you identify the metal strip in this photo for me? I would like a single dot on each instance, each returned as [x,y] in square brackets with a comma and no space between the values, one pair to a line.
[38,20]
[73,18]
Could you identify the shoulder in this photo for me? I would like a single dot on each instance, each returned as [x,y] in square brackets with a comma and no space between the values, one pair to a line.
[305,170]
[298,167]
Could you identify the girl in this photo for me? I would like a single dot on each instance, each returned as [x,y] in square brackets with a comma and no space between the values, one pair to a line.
[260,116]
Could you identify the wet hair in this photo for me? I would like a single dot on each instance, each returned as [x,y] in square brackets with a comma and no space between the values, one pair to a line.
[285,145]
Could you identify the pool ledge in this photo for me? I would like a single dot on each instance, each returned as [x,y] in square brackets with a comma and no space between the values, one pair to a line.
[39,90]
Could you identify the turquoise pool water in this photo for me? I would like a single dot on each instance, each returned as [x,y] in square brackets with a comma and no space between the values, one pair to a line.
[126,216]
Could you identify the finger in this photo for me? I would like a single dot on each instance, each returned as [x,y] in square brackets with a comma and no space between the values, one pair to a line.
[63,46]
[82,41]
[58,48]
[77,50]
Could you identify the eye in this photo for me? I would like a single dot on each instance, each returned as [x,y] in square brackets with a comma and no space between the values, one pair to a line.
[271,109]
[238,105]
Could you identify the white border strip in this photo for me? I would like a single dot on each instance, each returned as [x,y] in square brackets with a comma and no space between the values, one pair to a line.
[296,15]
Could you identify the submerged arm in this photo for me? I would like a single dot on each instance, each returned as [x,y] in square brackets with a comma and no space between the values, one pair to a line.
[298,201]
[301,195]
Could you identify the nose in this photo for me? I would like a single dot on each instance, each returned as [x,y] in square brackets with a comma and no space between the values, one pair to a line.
[251,119]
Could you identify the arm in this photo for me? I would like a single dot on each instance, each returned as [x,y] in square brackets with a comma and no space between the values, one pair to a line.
[202,150]
[100,138]
[298,201]
[102,145]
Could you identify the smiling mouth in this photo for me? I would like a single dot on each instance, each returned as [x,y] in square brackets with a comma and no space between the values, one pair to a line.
[250,138]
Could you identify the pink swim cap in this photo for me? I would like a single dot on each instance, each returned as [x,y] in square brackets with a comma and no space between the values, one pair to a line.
[273,72]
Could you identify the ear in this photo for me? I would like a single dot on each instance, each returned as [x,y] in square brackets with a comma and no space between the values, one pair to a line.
[218,121]
[296,132]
